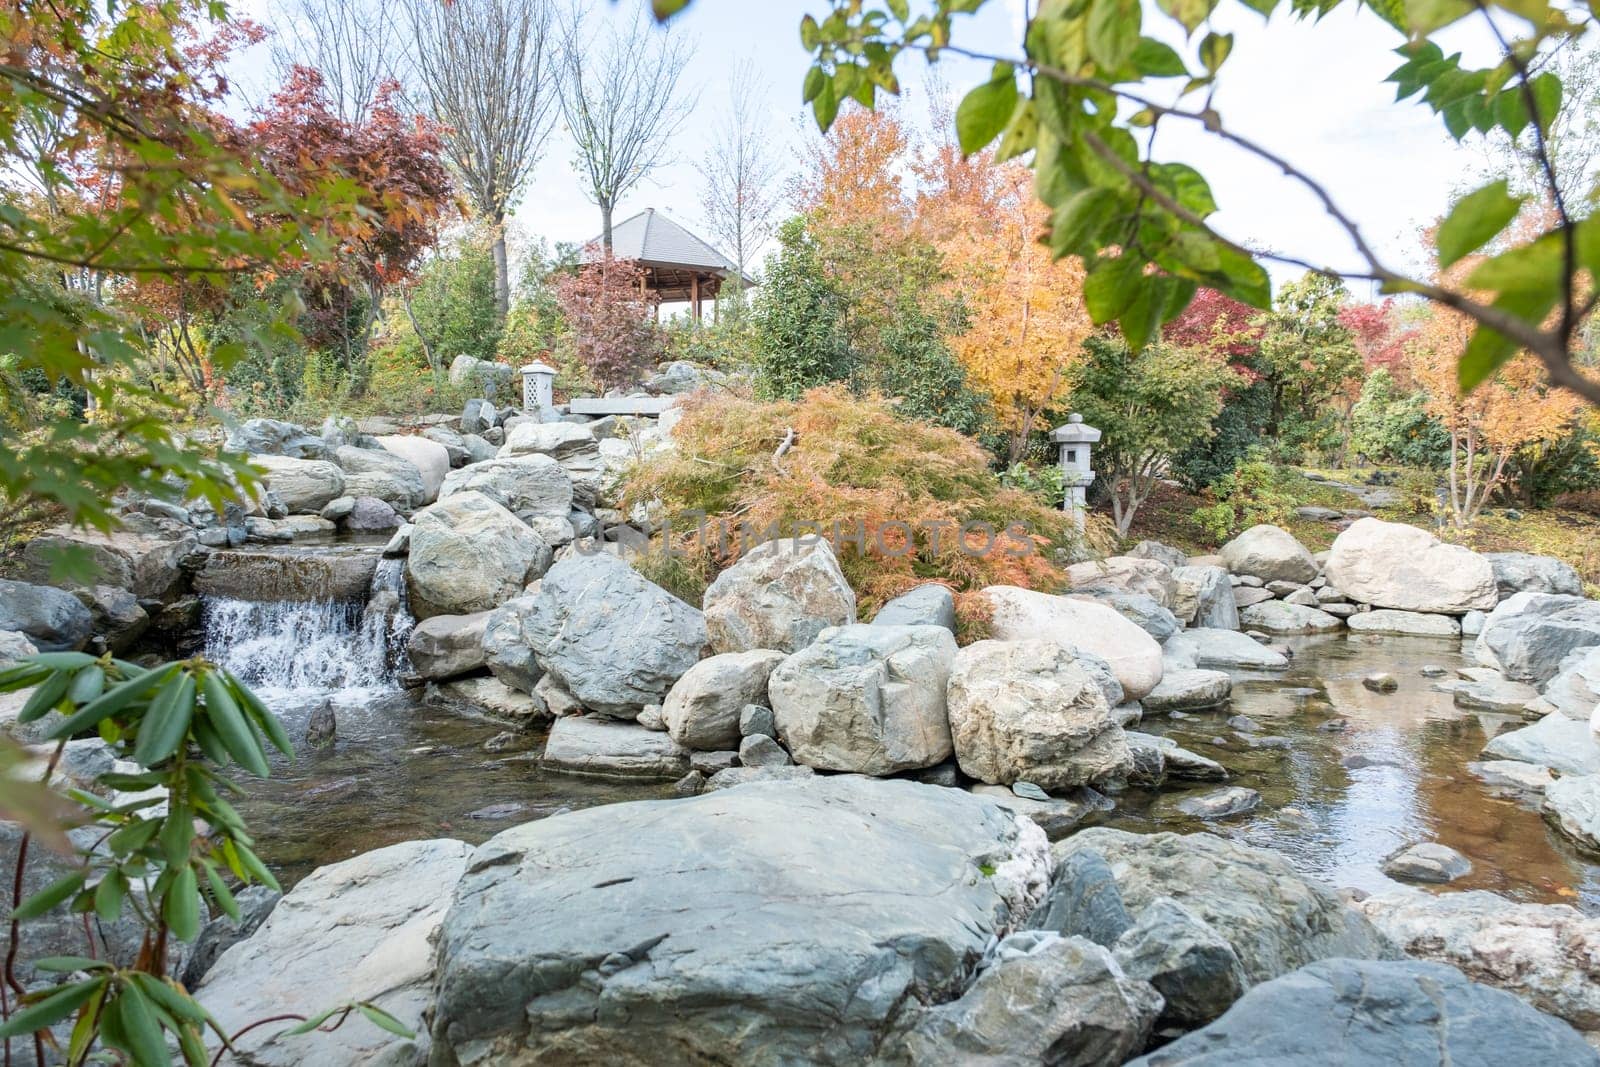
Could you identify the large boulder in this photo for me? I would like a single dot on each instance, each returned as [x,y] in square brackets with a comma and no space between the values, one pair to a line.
[1191,965]
[1028,711]
[1575,689]
[447,645]
[926,605]
[702,709]
[493,380]
[1524,572]
[469,554]
[615,640]
[571,445]
[1369,1013]
[117,617]
[1544,953]
[1144,612]
[1022,614]
[360,930]
[1044,999]
[272,437]
[305,486]
[1572,806]
[534,488]
[1529,635]
[52,619]
[1555,741]
[1275,919]
[378,472]
[1124,574]
[506,651]
[780,594]
[608,748]
[1271,554]
[144,555]
[431,459]
[830,910]
[1392,565]
[1203,596]
[865,698]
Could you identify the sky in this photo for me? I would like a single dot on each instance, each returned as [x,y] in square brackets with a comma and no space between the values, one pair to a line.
[1314,92]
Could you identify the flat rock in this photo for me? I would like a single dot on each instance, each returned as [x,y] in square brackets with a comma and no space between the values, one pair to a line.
[1216,804]
[1057,816]
[1190,690]
[1409,623]
[614,935]
[1572,805]
[1501,695]
[1179,762]
[1228,649]
[1282,617]
[1513,774]
[1376,1014]
[1555,741]
[729,777]
[497,698]
[583,744]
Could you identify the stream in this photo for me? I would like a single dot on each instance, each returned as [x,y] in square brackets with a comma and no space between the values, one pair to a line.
[1347,776]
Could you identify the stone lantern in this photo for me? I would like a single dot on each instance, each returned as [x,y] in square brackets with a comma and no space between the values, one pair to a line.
[538,387]
[1075,439]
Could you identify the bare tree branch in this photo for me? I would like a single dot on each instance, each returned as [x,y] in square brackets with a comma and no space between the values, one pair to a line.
[354,44]
[742,190]
[624,102]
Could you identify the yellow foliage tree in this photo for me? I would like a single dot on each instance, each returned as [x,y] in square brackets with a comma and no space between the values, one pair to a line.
[1026,310]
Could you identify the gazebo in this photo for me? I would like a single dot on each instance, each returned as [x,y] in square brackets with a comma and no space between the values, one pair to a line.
[678,266]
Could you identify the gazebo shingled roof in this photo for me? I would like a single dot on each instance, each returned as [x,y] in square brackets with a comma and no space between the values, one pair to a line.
[679,267]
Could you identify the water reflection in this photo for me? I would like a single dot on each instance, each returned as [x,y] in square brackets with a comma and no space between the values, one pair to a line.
[1366,773]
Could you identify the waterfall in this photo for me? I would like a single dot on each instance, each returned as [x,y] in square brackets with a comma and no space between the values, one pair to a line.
[299,650]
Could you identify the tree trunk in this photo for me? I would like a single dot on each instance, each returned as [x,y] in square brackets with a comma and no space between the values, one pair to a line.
[605,226]
[502,272]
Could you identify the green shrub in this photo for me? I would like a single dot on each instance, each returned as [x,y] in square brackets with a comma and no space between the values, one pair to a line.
[1249,495]
[1389,426]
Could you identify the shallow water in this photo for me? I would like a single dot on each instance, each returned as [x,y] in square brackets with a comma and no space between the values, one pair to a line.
[403,768]
[1338,803]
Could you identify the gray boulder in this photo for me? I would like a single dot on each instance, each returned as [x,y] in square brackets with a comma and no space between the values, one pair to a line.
[729,777]
[454,444]
[1575,689]
[1191,965]
[1083,900]
[469,554]
[272,437]
[1427,861]
[506,651]
[1555,741]
[615,640]
[494,379]
[145,555]
[305,486]
[1524,572]
[864,698]
[368,514]
[781,594]
[702,709]
[1078,624]
[222,933]
[1393,565]
[15,646]
[379,472]
[926,605]
[478,415]
[53,620]
[534,488]
[1529,635]
[1044,999]
[356,930]
[613,935]
[1271,554]
[1172,557]
[1124,574]
[1282,617]
[606,748]
[1543,953]
[117,617]
[1203,596]
[1408,623]
[1367,1013]
[1189,690]
[1275,919]
[1029,711]
[1224,649]
[1572,806]
[447,645]
[1143,611]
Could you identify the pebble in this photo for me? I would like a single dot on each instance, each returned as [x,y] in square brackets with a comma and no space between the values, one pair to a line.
[1381,683]
[690,785]
[1244,724]
[1433,670]
[1220,803]
[1427,861]
[1029,791]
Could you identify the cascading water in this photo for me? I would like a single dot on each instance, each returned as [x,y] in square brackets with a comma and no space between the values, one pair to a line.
[299,650]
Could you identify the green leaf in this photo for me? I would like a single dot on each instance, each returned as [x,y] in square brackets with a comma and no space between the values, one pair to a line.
[1487,350]
[1113,32]
[50,896]
[1187,185]
[1075,225]
[1214,50]
[60,661]
[108,896]
[984,112]
[181,908]
[87,684]
[1155,59]
[221,893]
[1111,286]
[1191,13]
[51,1009]
[252,864]
[1531,267]
[68,964]
[1143,315]
[166,722]
[140,1029]
[111,701]
[1426,16]
[1546,89]
[314,1021]
[384,1021]
[665,9]
[228,721]
[814,82]
[47,696]
[1243,278]
[170,999]
[1474,220]
[262,715]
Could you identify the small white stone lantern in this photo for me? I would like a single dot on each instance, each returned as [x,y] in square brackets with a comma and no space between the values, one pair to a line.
[1075,439]
[538,387]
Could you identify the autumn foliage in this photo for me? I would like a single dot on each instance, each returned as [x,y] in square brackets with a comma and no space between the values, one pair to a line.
[907,487]
[609,314]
